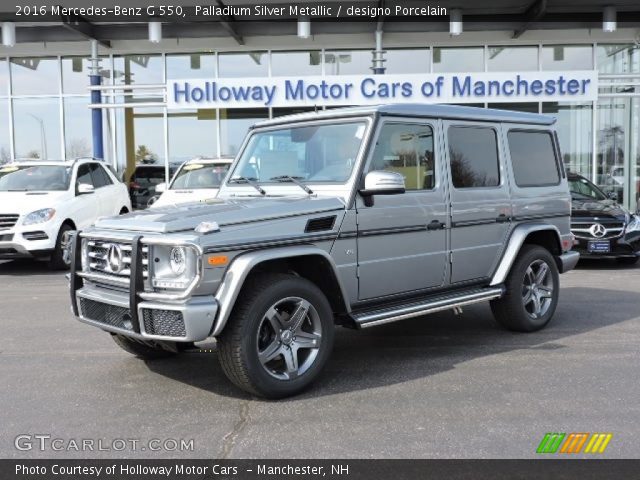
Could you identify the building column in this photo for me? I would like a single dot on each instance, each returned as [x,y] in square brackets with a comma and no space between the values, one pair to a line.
[96,98]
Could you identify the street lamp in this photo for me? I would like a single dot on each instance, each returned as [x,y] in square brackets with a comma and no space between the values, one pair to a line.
[43,136]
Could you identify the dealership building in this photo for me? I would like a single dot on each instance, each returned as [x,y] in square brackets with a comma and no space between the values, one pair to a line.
[167,88]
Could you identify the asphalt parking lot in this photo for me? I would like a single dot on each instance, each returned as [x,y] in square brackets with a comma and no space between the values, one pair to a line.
[433,387]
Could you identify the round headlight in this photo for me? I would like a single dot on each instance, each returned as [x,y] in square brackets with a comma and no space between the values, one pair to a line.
[178,260]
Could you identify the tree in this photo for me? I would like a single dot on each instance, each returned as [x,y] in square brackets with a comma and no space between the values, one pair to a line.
[5,155]
[144,155]
[78,147]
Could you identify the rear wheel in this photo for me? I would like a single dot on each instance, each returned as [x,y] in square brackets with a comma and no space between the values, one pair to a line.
[149,350]
[60,257]
[279,336]
[531,294]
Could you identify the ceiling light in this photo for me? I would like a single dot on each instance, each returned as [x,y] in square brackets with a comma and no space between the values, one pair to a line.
[304,27]
[609,23]
[8,34]
[455,21]
[155,32]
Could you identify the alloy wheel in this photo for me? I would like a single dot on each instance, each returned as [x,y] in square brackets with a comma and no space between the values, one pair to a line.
[537,289]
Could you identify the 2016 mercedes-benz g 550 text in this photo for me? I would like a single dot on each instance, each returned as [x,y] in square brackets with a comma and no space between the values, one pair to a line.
[355,217]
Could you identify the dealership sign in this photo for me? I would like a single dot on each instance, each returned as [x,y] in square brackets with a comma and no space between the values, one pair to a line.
[339,90]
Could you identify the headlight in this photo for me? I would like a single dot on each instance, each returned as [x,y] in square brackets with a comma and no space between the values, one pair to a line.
[173,268]
[84,258]
[39,216]
[634,224]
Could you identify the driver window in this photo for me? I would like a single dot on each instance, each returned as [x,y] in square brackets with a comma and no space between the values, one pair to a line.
[408,150]
[84,175]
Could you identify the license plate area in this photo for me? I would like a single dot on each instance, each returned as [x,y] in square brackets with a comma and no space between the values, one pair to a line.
[599,246]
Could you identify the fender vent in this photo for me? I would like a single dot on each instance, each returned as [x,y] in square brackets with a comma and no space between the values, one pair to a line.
[320,224]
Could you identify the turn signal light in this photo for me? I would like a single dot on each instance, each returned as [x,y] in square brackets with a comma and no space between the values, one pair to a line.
[218,260]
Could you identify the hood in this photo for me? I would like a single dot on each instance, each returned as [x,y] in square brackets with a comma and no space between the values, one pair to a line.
[23,203]
[187,217]
[598,208]
[176,197]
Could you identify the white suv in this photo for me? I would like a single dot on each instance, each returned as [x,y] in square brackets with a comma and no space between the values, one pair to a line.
[196,180]
[42,201]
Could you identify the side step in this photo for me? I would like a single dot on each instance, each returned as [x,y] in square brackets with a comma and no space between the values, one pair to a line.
[370,318]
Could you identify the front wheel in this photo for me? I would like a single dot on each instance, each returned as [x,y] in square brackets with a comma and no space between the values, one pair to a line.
[60,257]
[531,294]
[279,336]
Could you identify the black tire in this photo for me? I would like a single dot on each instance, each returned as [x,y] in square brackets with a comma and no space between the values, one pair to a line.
[149,350]
[513,311]
[123,211]
[296,358]
[59,257]
[627,260]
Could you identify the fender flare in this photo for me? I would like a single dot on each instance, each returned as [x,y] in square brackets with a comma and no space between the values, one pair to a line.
[241,267]
[516,240]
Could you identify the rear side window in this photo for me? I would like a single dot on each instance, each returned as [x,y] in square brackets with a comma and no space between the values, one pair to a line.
[473,153]
[533,158]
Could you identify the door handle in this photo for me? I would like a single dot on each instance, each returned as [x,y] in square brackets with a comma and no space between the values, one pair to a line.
[436,225]
[502,218]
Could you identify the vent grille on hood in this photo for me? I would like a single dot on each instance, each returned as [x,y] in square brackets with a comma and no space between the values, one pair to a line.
[320,224]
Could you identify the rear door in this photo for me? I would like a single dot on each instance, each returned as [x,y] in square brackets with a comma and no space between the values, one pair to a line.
[480,198]
[106,191]
[402,245]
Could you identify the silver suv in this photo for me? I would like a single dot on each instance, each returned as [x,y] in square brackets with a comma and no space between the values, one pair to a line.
[354,217]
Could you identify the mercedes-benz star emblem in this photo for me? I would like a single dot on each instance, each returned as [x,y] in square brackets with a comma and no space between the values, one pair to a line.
[114,258]
[598,230]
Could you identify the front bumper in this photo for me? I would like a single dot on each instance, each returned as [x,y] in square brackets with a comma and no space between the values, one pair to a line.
[626,245]
[125,313]
[568,261]
[31,241]
[191,321]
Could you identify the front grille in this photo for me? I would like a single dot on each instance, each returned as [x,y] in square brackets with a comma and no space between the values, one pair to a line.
[168,323]
[35,236]
[112,315]
[8,220]
[582,228]
[99,261]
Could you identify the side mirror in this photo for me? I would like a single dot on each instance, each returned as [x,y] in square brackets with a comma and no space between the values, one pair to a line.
[381,182]
[85,188]
[612,195]
[161,187]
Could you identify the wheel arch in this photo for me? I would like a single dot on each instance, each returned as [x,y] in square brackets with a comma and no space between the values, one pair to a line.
[70,222]
[543,234]
[307,261]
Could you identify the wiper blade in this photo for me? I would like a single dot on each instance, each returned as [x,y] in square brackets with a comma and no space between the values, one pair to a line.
[248,181]
[296,180]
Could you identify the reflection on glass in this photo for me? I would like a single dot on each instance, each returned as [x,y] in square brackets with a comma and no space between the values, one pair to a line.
[4,78]
[567,57]
[618,58]
[78,141]
[191,65]
[249,64]
[508,59]
[574,133]
[347,62]
[34,75]
[296,63]
[458,59]
[36,127]
[530,107]
[75,73]
[140,69]
[187,125]
[234,124]
[407,61]
[142,134]
[279,112]
[5,149]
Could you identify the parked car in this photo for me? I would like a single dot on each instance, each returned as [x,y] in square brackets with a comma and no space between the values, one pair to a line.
[603,228]
[354,216]
[144,181]
[196,180]
[42,202]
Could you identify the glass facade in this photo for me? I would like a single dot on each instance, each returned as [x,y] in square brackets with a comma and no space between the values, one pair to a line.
[44,102]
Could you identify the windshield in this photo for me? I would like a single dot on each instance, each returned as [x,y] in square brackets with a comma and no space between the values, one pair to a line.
[317,153]
[27,178]
[583,189]
[194,176]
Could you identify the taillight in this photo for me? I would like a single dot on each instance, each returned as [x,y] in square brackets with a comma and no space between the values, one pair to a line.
[134,185]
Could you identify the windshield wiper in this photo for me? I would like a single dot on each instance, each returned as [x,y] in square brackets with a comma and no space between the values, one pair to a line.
[250,181]
[296,180]
[17,190]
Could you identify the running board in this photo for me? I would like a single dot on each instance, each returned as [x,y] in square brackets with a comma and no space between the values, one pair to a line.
[379,316]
